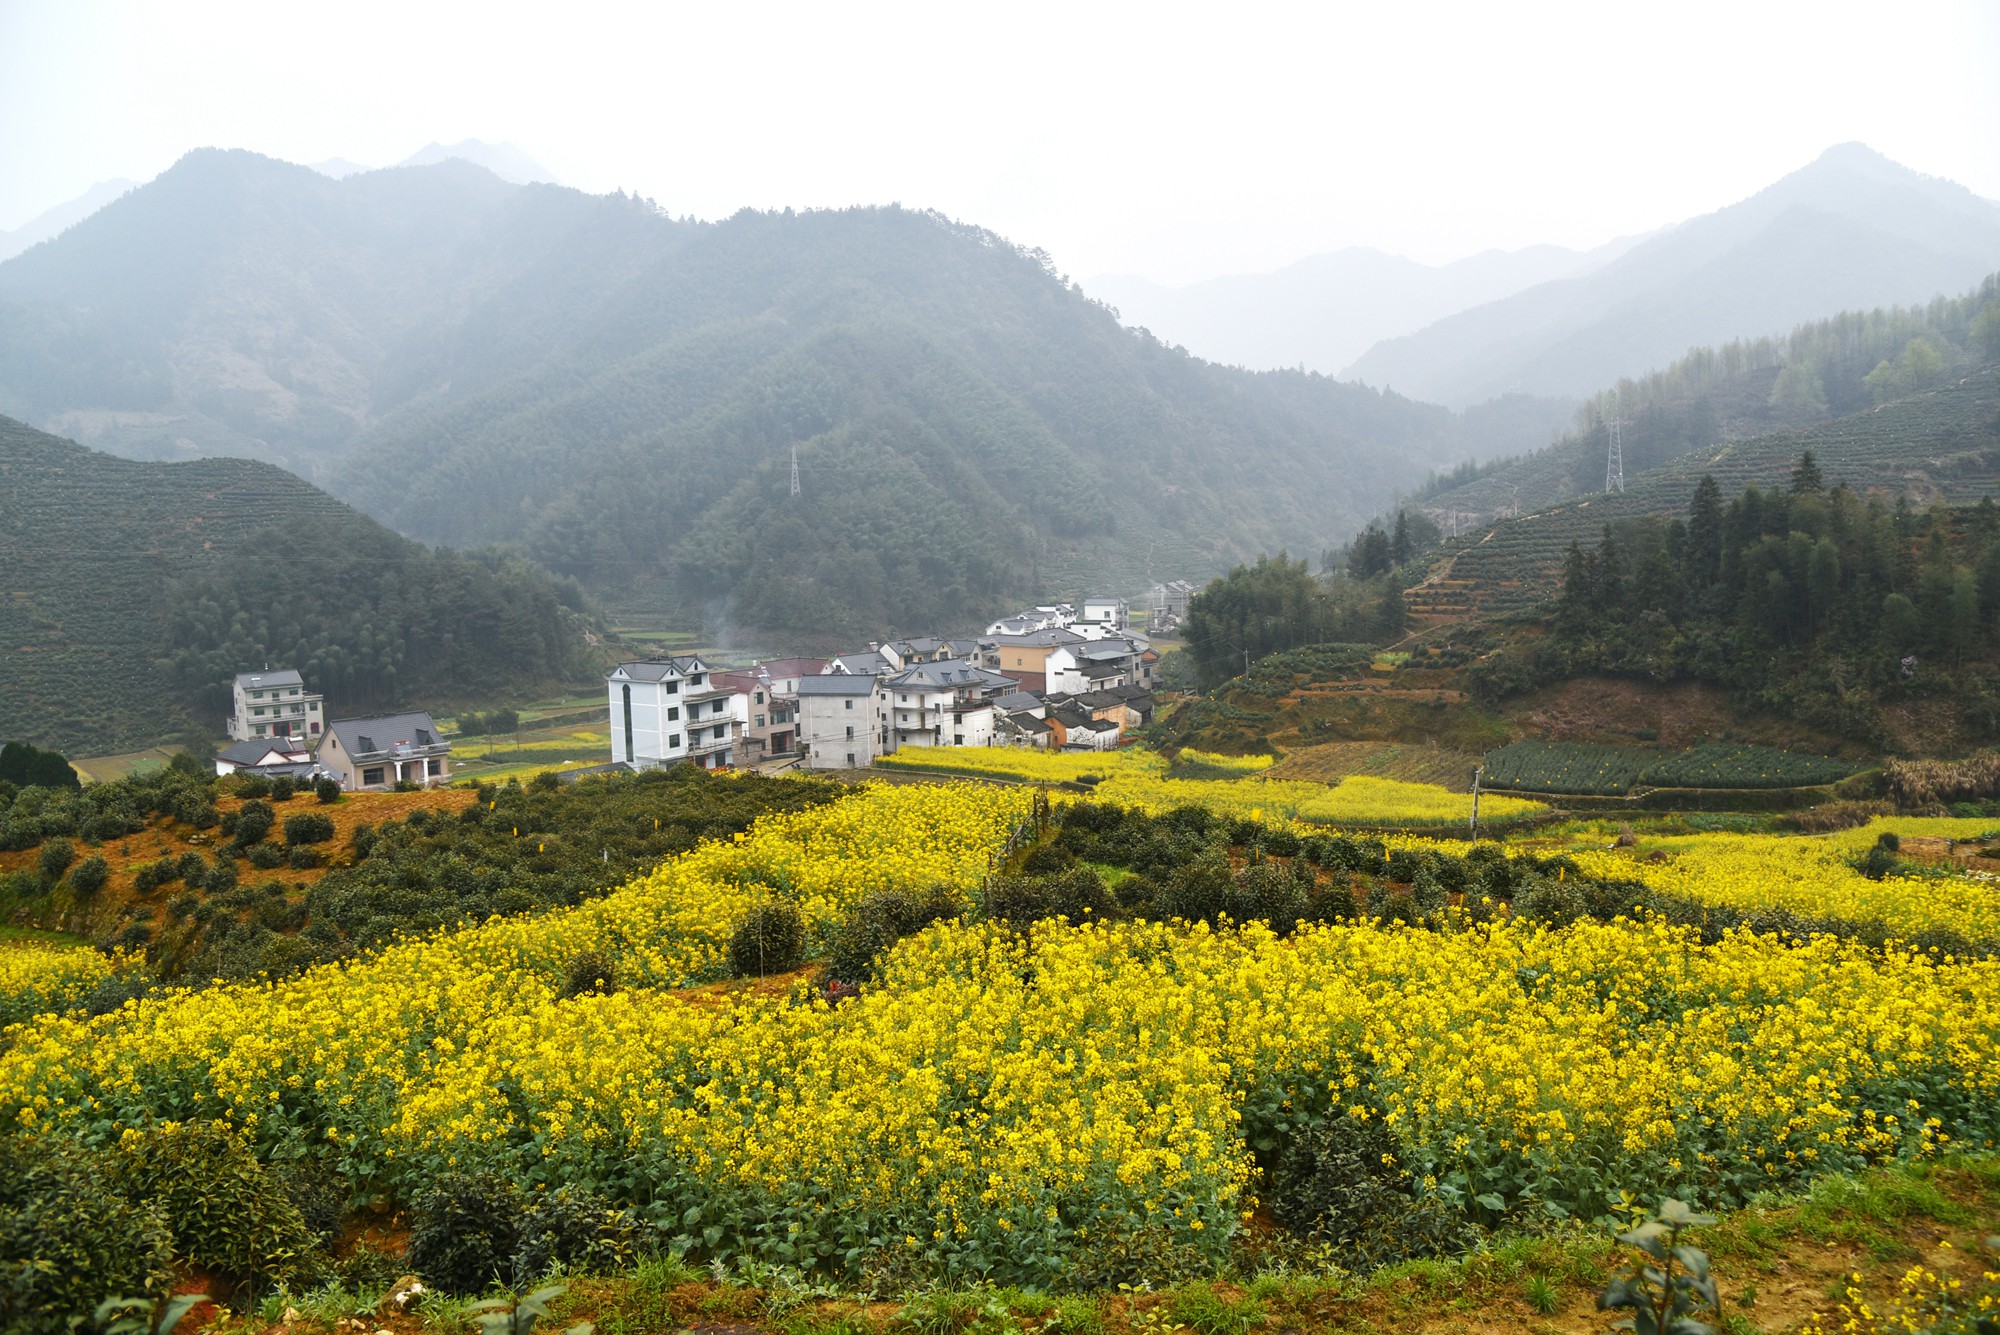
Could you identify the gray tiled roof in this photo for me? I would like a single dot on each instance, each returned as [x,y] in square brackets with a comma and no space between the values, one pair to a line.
[945,675]
[1016,701]
[838,683]
[659,669]
[363,737]
[249,753]
[868,664]
[264,681]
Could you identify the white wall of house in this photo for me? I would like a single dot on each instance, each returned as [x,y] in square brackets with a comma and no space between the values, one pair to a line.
[937,718]
[278,706]
[1106,612]
[682,714]
[841,731]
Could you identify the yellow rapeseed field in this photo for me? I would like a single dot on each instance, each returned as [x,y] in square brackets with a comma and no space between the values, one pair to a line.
[35,978]
[1000,1102]
[1138,778]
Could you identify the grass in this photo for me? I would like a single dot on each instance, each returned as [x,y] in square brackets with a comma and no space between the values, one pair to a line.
[9,933]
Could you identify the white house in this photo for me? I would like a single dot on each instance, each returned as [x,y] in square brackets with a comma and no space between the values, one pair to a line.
[666,710]
[1046,616]
[274,704]
[1107,612]
[1094,665]
[268,757]
[840,720]
[948,703]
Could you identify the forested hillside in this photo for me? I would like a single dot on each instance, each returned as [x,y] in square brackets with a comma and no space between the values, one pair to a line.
[131,592]
[1939,446]
[471,362]
[1823,370]
[1850,231]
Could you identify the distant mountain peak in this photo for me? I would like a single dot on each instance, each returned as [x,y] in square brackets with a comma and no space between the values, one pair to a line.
[506,161]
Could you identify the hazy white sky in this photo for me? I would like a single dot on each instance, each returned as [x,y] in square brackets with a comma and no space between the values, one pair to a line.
[1172,142]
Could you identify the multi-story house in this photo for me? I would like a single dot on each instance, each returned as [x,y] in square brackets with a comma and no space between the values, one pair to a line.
[666,710]
[1095,665]
[772,689]
[1109,613]
[274,704]
[375,754]
[841,723]
[1025,656]
[947,703]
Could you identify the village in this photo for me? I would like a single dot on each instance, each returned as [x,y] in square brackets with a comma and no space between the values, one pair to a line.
[1056,677]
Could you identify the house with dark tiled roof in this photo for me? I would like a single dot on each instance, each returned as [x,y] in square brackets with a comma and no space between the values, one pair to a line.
[274,704]
[375,754]
[672,709]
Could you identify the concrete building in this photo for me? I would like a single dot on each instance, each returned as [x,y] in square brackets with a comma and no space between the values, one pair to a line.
[1110,613]
[268,758]
[666,710]
[772,689]
[946,703]
[1025,656]
[1167,605]
[841,723]
[375,754]
[1094,665]
[274,704]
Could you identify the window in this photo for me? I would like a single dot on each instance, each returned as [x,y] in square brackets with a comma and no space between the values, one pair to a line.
[673,688]
[259,730]
[721,731]
[257,695]
[903,699]
[695,680]
[694,710]
[673,741]
[850,755]
[850,705]
[759,697]
[760,720]
[434,767]
[673,713]
[258,712]
[630,754]
[958,739]
[373,775]
[850,730]
[315,729]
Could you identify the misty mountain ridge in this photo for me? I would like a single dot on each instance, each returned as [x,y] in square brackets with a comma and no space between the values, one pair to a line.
[1326,310]
[619,392]
[52,222]
[1852,230]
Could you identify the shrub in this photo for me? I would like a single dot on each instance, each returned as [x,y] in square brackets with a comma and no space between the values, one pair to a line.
[770,939]
[226,1210]
[1343,1181]
[1047,859]
[282,788]
[70,1234]
[1557,903]
[590,972]
[89,876]
[326,790]
[302,857]
[252,785]
[879,922]
[574,1228]
[57,855]
[253,822]
[466,1229]
[1198,892]
[265,857]
[308,828]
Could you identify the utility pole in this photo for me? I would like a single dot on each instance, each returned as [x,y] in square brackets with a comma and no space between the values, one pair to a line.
[1476,773]
[795,470]
[1614,458]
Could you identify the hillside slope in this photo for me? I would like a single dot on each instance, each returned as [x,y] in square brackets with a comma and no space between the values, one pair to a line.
[1851,230]
[1939,446]
[130,592]
[471,361]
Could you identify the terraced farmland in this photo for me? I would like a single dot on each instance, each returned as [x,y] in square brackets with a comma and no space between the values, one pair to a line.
[1943,446]
[1589,770]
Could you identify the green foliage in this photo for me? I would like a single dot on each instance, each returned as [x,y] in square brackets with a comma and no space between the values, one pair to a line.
[70,1233]
[1806,602]
[1207,1310]
[770,939]
[138,1316]
[590,973]
[228,1213]
[1341,1180]
[24,765]
[506,1316]
[308,828]
[472,723]
[57,855]
[575,1229]
[253,821]
[878,922]
[465,1229]
[223,565]
[1671,1286]
[1590,770]
[326,790]
[88,876]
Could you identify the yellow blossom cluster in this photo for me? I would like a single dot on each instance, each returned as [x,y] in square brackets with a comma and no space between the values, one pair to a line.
[35,978]
[1138,778]
[1234,764]
[1814,876]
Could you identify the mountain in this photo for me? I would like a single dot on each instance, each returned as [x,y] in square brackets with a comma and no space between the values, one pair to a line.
[1326,310]
[64,215]
[1827,369]
[505,161]
[131,592]
[1851,230]
[338,168]
[621,393]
